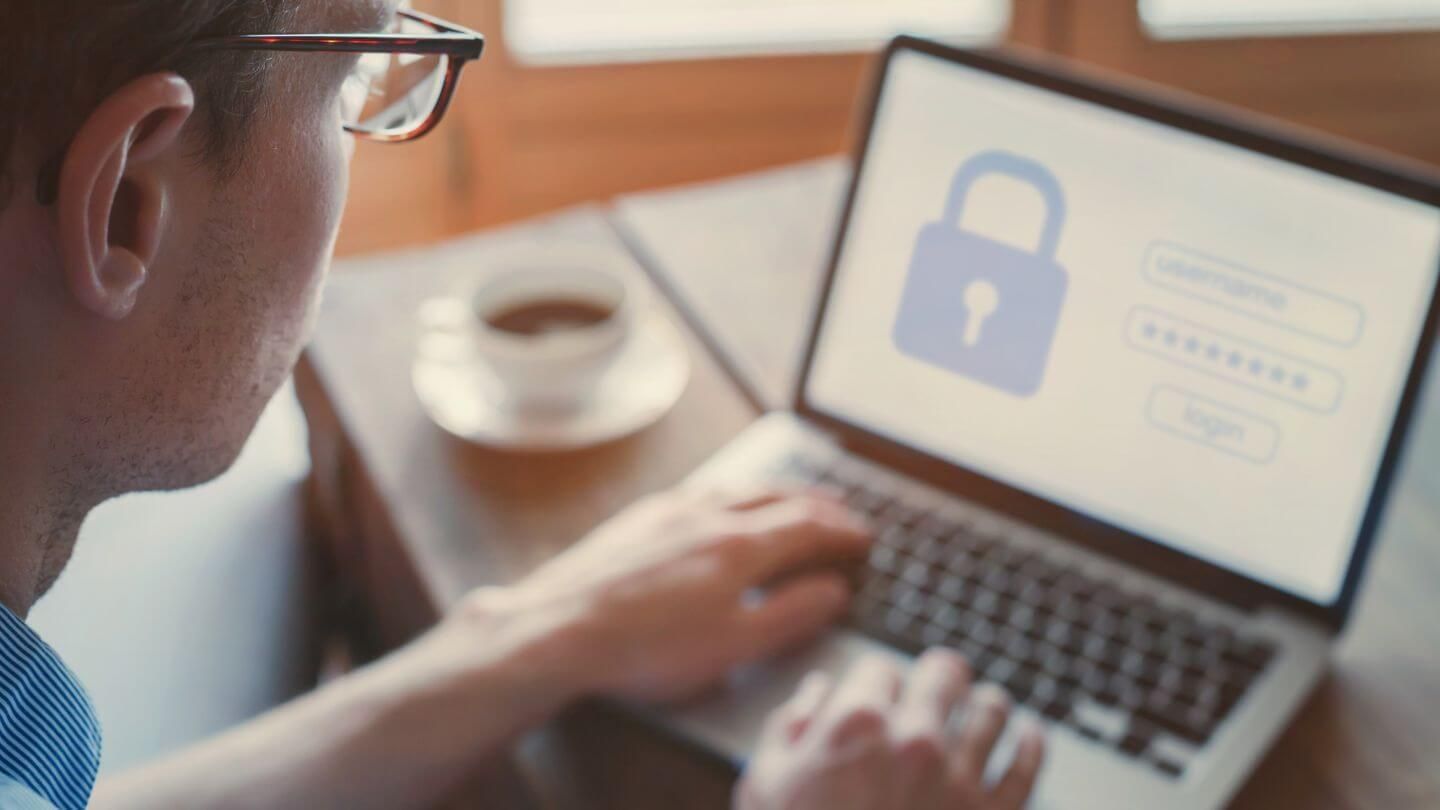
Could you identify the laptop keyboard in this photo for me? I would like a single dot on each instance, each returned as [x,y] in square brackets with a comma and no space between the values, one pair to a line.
[1154,681]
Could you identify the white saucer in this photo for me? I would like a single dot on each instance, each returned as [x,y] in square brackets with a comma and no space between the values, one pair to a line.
[462,395]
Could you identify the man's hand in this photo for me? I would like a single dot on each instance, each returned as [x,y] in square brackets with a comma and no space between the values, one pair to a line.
[878,742]
[655,604]
[663,599]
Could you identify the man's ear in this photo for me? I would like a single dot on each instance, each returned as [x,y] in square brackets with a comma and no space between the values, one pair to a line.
[111,204]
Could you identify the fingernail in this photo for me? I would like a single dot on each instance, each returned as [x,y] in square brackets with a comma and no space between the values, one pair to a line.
[1032,743]
[812,682]
[993,696]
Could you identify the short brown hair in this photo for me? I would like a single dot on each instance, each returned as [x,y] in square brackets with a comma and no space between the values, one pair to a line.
[60,58]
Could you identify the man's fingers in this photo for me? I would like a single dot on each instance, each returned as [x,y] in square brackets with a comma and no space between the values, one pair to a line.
[744,498]
[790,721]
[937,683]
[1014,787]
[798,532]
[985,719]
[792,613]
[860,706]
[747,497]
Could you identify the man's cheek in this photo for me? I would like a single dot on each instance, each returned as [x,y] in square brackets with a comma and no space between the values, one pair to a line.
[340,151]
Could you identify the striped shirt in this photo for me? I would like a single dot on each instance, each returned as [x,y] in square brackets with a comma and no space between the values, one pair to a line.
[49,737]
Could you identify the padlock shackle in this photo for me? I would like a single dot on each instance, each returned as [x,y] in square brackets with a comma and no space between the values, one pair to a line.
[1020,168]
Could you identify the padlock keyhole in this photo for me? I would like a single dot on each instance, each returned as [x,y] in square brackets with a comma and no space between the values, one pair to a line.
[981,301]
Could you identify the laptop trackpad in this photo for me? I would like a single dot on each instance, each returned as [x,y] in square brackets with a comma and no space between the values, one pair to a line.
[730,721]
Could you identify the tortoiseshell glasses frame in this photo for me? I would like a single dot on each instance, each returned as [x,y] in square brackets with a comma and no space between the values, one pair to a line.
[399,90]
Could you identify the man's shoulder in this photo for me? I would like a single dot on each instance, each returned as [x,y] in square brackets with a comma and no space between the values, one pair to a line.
[49,735]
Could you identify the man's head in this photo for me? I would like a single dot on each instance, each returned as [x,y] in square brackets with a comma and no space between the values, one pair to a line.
[155,289]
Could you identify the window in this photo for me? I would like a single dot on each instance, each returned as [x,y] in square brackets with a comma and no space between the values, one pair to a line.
[1181,19]
[624,30]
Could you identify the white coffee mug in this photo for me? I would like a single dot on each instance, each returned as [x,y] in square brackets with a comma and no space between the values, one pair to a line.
[551,369]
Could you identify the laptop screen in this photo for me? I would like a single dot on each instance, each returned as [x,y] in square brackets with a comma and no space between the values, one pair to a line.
[1199,344]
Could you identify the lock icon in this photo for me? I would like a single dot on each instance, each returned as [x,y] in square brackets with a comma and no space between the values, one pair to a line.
[980,308]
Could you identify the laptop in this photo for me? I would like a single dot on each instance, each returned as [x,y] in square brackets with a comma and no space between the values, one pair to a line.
[1122,383]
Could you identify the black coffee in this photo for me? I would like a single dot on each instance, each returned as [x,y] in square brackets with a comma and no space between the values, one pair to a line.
[548,317]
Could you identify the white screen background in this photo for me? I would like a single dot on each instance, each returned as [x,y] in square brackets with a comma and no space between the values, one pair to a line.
[1084,439]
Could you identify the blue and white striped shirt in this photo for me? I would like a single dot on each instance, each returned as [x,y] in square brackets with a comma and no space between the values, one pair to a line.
[49,737]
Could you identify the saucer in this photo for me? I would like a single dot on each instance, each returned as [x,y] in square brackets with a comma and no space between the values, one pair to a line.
[460,393]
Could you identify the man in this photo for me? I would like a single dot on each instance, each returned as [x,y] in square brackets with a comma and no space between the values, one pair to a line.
[170,201]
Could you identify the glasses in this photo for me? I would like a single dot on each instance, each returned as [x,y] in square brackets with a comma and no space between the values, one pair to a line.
[404,78]
[399,89]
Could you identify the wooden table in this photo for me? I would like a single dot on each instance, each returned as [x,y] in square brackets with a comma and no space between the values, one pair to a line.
[412,519]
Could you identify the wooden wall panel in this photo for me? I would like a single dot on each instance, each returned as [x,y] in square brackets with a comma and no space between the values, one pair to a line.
[1379,89]
[524,139]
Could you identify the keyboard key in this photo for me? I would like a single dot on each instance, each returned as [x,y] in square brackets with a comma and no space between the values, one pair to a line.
[932,525]
[1056,709]
[1167,713]
[1128,693]
[979,628]
[899,622]
[1046,688]
[1071,582]
[1109,722]
[1168,767]
[1022,617]
[1095,647]
[1137,738]
[983,661]
[979,544]
[947,617]
[1000,670]
[1055,662]
[1250,654]
[996,579]
[1106,695]
[952,589]
[1032,592]
[922,575]
[933,635]
[885,558]
[893,537]
[1170,755]
[868,501]
[909,599]
[1020,683]
[959,560]
[1218,636]
[972,650]
[929,549]
[1018,647]
[987,603]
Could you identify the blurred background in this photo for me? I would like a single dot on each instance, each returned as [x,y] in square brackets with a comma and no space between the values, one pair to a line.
[579,100]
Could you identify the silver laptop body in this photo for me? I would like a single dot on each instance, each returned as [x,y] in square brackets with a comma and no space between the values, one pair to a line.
[1162,670]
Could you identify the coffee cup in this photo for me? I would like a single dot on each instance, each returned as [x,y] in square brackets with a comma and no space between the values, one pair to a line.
[549,332]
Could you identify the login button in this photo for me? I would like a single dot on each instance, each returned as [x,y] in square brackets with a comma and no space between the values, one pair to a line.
[1203,420]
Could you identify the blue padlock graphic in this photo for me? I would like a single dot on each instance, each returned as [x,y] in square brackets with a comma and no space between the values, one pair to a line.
[980,308]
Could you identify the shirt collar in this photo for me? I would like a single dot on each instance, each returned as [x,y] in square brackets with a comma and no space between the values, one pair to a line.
[49,736]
